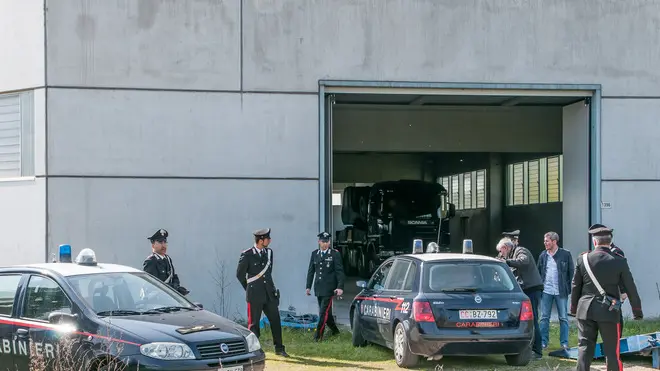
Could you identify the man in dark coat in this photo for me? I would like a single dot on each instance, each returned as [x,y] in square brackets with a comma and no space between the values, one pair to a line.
[326,263]
[254,272]
[595,302]
[159,264]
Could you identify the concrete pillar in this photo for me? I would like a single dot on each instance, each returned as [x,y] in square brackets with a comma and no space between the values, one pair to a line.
[496,196]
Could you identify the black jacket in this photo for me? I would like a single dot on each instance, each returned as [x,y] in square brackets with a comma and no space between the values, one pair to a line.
[329,272]
[250,264]
[565,269]
[162,268]
[524,268]
[611,271]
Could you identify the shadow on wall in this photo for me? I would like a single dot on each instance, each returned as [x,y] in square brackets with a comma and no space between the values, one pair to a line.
[533,221]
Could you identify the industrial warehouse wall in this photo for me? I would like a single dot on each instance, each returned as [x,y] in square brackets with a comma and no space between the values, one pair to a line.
[284,48]
[23,201]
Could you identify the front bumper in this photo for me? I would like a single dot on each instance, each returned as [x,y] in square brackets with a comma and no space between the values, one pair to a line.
[255,361]
[468,344]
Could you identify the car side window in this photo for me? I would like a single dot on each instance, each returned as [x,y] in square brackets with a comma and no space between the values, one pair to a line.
[398,275]
[410,279]
[44,296]
[377,281]
[8,287]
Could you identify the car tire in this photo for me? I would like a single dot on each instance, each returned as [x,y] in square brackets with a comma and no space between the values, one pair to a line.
[402,355]
[357,339]
[521,359]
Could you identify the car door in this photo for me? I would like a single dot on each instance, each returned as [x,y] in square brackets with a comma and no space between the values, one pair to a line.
[9,289]
[372,301]
[38,344]
[394,295]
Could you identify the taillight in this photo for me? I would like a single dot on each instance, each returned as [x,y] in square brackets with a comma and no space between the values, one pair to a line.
[422,311]
[526,312]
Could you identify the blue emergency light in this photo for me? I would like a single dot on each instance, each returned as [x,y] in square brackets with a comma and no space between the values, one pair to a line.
[467,247]
[65,253]
[418,247]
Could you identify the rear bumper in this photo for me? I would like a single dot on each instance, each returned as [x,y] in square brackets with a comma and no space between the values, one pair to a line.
[468,345]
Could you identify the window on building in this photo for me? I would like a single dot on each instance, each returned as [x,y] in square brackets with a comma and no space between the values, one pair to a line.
[466,190]
[336,199]
[535,181]
[16,135]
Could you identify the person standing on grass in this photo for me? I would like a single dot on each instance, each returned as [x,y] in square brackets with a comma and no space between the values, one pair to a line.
[326,263]
[595,300]
[556,268]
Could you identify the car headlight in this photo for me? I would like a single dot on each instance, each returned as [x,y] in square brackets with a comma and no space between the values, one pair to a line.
[252,342]
[167,351]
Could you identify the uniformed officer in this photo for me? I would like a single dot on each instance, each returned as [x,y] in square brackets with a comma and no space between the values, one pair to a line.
[514,236]
[254,272]
[159,264]
[326,263]
[594,229]
[595,301]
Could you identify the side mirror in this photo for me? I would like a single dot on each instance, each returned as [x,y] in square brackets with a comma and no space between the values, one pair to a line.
[57,318]
[362,284]
[452,210]
[199,305]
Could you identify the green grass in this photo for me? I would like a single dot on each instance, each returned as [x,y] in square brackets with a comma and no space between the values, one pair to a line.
[338,353]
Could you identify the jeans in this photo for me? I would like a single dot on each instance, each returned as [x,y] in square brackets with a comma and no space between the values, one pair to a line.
[562,312]
[535,298]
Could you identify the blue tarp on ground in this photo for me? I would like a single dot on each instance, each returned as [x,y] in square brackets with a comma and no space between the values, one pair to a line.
[290,319]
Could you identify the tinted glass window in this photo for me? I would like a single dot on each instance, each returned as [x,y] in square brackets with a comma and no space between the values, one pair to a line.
[8,287]
[485,277]
[398,275]
[44,296]
[377,281]
[125,291]
[412,200]
[410,279]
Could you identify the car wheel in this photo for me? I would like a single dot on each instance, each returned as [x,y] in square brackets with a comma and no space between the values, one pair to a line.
[521,359]
[402,354]
[358,340]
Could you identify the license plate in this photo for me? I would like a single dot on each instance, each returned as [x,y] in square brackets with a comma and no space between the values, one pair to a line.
[231,368]
[477,314]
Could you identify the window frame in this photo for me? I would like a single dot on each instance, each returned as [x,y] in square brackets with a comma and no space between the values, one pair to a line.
[25,291]
[542,182]
[27,137]
[476,198]
[370,282]
[405,278]
[17,295]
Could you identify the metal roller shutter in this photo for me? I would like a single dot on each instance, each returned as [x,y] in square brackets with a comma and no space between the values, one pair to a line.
[10,136]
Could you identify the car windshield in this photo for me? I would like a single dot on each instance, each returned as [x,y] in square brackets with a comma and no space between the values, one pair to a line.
[127,293]
[468,277]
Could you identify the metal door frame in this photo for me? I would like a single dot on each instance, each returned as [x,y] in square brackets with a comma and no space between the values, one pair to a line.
[329,87]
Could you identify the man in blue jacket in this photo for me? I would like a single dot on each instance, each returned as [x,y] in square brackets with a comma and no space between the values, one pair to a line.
[556,267]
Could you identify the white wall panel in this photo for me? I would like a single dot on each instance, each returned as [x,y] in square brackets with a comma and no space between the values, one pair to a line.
[291,44]
[448,129]
[145,44]
[150,133]
[21,44]
[23,221]
[630,138]
[209,221]
[635,206]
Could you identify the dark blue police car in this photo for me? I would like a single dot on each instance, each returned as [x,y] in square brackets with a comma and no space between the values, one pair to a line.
[89,316]
[435,305]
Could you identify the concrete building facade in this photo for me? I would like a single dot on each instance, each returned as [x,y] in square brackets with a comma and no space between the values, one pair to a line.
[202,117]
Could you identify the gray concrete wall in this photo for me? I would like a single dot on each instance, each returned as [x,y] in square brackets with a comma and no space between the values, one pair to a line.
[286,46]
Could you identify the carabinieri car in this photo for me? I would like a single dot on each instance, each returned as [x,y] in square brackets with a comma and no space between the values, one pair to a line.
[88,316]
[442,304]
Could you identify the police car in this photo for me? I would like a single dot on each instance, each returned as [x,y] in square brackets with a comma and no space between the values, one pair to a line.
[89,316]
[441,304]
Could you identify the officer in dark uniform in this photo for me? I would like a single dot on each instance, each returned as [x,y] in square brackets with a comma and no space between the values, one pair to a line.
[326,263]
[596,304]
[254,272]
[159,264]
[616,250]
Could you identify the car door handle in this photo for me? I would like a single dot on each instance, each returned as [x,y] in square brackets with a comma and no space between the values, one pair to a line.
[22,332]
[393,297]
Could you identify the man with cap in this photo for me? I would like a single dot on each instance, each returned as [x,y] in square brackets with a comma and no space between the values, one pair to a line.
[159,264]
[326,263]
[595,301]
[254,272]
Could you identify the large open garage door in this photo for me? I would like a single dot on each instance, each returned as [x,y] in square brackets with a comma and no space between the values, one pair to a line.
[509,156]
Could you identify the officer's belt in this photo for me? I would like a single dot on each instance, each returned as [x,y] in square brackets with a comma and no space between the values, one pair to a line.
[263,271]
